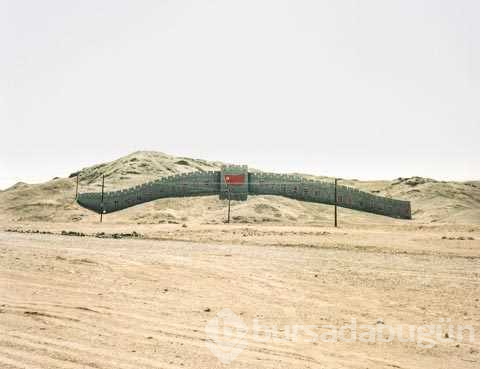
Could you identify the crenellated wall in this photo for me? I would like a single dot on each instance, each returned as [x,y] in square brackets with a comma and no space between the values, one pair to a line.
[189,184]
[298,188]
[210,183]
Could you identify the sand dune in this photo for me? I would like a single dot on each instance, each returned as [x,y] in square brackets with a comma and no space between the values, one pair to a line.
[432,201]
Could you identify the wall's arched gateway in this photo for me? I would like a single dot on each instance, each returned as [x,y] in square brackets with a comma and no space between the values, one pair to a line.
[240,183]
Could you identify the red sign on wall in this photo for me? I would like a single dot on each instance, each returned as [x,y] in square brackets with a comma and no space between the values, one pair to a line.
[234,179]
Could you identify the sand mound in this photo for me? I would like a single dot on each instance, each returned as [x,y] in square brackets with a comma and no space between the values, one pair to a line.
[432,201]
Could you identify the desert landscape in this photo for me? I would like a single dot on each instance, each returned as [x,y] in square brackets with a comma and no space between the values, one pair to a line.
[138,289]
[240,184]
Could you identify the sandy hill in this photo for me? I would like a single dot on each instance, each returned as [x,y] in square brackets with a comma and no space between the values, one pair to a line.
[432,201]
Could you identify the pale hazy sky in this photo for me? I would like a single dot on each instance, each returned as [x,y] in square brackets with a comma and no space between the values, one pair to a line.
[359,89]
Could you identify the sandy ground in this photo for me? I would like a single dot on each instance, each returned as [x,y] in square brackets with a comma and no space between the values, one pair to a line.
[88,302]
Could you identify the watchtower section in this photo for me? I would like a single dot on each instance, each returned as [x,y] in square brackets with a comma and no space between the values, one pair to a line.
[234,182]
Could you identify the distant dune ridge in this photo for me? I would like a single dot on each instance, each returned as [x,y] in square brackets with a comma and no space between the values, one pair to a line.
[432,201]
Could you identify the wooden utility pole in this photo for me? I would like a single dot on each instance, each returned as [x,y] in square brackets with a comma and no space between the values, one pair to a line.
[76,191]
[229,197]
[101,204]
[335,202]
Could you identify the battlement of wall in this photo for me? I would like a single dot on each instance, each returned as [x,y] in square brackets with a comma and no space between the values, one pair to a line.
[187,184]
[214,183]
[299,188]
